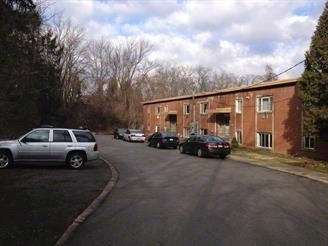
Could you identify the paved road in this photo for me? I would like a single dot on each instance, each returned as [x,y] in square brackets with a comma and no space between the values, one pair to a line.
[38,202]
[167,198]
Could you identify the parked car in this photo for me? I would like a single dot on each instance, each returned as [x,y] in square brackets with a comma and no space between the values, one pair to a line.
[134,135]
[206,145]
[163,140]
[119,132]
[71,146]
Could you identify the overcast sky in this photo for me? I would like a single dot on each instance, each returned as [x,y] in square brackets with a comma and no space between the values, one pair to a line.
[236,36]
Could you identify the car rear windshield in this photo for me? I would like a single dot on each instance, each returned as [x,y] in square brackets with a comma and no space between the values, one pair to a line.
[82,136]
[214,139]
[169,134]
[135,131]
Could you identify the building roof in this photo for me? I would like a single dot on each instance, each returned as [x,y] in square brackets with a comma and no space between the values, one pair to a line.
[256,86]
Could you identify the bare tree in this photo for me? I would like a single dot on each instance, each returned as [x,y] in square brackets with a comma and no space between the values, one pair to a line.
[269,75]
[71,39]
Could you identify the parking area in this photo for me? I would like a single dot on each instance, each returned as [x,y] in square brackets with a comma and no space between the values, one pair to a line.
[38,202]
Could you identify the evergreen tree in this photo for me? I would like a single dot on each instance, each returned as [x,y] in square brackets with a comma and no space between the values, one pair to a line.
[29,68]
[314,84]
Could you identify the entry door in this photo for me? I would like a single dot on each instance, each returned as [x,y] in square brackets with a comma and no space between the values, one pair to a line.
[173,122]
[34,146]
[223,125]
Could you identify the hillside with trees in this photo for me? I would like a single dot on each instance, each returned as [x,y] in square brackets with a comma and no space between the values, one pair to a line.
[50,73]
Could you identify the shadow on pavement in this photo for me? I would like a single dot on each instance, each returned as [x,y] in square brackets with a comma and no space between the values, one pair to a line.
[39,202]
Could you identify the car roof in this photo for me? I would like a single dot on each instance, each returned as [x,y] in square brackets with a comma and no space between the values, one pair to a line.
[62,128]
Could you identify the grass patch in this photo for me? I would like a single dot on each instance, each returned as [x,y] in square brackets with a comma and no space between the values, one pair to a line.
[263,154]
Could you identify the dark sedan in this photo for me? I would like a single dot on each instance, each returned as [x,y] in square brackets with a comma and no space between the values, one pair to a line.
[205,145]
[163,140]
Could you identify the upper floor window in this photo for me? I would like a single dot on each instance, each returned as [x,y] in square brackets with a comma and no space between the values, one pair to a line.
[309,142]
[166,108]
[157,110]
[239,105]
[264,104]
[186,108]
[203,108]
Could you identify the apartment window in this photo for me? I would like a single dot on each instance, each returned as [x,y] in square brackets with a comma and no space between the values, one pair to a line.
[239,105]
[239,137]
[264,139]
[166,108]
[203,108]
[309,142]
[186,132]
[186,109]
[203,131]
[264,104]
[157,110]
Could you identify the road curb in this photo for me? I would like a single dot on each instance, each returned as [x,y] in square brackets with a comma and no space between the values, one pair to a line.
[298,171]
[93,206]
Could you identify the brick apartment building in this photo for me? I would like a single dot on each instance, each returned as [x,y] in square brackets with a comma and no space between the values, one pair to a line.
[264,115]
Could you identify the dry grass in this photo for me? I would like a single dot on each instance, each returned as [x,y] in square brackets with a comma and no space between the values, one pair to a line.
[261,154]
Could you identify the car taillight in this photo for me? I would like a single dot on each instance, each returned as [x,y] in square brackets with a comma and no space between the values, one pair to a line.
[95,148]
[211,145]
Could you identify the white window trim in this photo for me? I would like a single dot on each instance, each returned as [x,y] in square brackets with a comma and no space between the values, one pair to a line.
[258,140]
[260,104]
[185,107]
[239,136]
[157,110]
[309,141]
[201,108]
[239,105]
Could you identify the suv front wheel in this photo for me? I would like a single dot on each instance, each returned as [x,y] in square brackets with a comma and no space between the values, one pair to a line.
[75,160]
[6,159]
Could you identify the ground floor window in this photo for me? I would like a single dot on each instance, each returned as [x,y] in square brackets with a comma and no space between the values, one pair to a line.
[186,132]
[309,142]
[239,137]
[264,139]
[203,131]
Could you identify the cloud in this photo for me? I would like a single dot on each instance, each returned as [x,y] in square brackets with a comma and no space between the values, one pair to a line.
[238,36]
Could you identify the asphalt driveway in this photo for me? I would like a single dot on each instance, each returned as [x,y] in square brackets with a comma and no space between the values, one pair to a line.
[38,203]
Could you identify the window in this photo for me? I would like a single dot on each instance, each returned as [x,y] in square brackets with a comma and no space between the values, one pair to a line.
[157,110]
[203,108]
[239,137]
[239,105]
[264,104]
[264,139]
[82,136]
[61,136]
[166,108]
[186,132]
[156,128]
[203,131]
[186,108]
[37,136]
[309,142]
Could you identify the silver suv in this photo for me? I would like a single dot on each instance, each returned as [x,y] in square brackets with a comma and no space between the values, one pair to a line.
[71,146]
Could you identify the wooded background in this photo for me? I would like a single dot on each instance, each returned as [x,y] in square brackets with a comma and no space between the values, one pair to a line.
[51,74]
